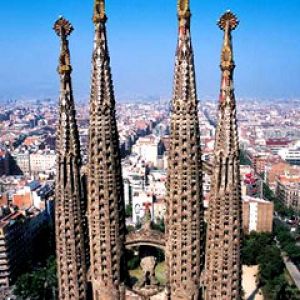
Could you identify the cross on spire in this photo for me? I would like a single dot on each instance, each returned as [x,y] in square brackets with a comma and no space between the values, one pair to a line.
[63,29]
[228,22]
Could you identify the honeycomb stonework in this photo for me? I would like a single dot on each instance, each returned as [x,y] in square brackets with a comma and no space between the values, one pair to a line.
[69,205]
[184,217]
[102,249]
[106,211]
[223,265]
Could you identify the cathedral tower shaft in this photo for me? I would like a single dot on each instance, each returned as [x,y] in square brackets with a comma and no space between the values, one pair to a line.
[184,217]
[69,203]
[106,212]
[223,265]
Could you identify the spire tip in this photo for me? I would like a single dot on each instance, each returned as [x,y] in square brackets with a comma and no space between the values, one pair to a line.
[99,12]
[183,8]
[63,27]
[228,19]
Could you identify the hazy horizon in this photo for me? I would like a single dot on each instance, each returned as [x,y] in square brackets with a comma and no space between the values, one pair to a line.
[142,41]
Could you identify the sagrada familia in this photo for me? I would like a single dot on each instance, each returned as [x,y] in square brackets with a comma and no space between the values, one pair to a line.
[202,262]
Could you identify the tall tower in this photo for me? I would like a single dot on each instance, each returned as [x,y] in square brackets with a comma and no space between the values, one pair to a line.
[184,218]
[69,208]
[106,212]
[223,265]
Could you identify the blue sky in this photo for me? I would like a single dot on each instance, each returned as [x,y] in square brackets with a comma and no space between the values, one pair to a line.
[142,40]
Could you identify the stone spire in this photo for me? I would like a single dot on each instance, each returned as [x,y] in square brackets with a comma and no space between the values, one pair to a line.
[106,212]
[184,217]
[69,204]
[223,265]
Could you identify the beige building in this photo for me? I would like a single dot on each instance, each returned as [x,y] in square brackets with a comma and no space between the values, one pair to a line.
[148,147]
[283,170]
[31,163]
[288,191]
[41,162]
[257,215]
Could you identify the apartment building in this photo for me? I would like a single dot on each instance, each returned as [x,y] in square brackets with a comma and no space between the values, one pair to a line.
[288,191]
[257,215]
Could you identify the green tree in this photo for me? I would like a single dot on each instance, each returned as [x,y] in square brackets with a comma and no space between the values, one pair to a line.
[159,225]
[130,228]
[128,211]
[268,193]
[254,244]
[40,284]
[244,160]
[274,288]
[133,260]
[293,251]
[271,264]
[279,289]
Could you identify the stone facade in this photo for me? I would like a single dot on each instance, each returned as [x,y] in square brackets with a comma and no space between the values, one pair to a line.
[184,239]
[70,206]
[184,214]
[106,209]
[223,265]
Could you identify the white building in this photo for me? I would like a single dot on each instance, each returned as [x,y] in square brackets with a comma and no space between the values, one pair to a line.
[148,148]
[157,183]
[22,160]
[291,154]
[42,161]
[36,162]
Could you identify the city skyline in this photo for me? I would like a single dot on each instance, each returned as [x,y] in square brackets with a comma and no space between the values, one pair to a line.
[264,42]
[129,189]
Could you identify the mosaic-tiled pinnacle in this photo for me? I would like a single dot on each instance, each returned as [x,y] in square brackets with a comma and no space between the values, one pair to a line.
[106,212]
[184,219]
[223,265]
[69,203]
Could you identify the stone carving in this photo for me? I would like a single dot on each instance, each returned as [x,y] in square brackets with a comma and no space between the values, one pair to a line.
[146,235]
[183,241]
[70,207]
[184,215]
[223,266]
[148,265]
[106,208]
